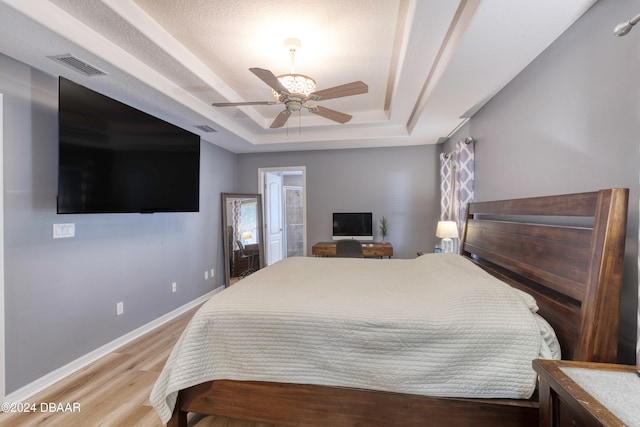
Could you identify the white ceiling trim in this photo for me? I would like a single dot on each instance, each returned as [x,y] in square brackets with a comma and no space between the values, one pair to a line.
[136,17]
[459,24]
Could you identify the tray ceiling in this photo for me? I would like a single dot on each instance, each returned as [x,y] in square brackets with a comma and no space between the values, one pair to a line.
[429,64]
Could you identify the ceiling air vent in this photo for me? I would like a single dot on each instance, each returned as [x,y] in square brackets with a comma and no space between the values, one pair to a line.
[206,128]
[78,65]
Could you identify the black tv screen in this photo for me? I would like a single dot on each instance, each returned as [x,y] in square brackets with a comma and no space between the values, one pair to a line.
[114,158]
[353,225]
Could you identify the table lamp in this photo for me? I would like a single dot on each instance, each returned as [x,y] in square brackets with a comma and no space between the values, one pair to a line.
[447,230]
[246,236]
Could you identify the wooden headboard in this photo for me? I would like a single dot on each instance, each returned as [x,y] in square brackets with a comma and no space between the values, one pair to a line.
[568,252]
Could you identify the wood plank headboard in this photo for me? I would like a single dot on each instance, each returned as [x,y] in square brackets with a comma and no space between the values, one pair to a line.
[567,251]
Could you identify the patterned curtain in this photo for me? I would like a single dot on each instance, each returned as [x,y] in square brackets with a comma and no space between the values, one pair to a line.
[457,183]
[446,186]
[236,215]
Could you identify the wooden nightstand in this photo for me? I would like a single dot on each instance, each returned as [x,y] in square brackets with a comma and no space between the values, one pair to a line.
[587,394]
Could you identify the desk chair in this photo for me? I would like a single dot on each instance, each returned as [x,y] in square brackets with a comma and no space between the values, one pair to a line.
[249,257]
[348,248]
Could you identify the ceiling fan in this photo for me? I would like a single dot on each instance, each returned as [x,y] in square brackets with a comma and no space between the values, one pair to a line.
[296,91]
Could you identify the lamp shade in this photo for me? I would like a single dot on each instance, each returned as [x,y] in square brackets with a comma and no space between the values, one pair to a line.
[247,235]
[447,230]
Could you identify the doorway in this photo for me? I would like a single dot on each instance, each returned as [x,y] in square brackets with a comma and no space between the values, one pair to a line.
[283,191]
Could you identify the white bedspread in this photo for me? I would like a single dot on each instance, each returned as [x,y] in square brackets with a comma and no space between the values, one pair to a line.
[435,325]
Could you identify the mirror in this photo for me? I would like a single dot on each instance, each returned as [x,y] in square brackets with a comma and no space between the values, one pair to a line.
[242,235]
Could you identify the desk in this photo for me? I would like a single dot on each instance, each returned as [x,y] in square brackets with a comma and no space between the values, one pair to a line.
[369,249]
[251,260]
[587,394]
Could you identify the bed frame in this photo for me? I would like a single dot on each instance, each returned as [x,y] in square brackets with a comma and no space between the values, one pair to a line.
[567,251]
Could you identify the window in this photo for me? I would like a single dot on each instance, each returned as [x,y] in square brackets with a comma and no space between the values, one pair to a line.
[248,221]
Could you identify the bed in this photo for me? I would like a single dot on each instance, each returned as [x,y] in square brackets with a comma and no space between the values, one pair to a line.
[566,251]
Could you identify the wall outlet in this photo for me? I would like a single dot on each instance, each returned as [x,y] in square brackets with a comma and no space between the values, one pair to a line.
[212,273]
[119,308]
[174,287]
[206,275]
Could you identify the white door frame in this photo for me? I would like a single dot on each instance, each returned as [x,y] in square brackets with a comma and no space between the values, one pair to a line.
[2,355]
[261,184]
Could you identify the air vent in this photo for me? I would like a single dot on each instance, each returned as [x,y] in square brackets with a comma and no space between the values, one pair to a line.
[206,128]
[78,65]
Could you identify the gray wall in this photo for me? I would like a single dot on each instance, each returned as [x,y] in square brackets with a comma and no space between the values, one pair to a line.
[60,295]
[401,184]
[569,123]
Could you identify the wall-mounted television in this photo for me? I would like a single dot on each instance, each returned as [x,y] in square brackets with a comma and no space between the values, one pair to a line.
[352,225]
[114,158]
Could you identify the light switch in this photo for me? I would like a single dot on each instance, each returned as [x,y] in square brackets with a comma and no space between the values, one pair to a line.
[61,231]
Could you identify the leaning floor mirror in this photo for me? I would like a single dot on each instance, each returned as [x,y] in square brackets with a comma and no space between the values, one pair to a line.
[242,235]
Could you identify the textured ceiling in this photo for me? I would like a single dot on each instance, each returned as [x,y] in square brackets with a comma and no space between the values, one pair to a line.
[429,64]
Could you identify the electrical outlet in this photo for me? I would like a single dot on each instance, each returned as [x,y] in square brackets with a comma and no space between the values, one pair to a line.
[119,308]
[212,271]
[206,275]
[174,287]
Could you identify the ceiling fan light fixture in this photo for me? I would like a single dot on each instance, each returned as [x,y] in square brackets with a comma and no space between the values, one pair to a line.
[296,91]
[296,84]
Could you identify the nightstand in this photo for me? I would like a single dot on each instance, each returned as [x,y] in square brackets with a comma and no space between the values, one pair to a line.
[587,394]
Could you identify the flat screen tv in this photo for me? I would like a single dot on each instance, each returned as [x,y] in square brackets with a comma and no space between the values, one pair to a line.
[352,225]
[114,158]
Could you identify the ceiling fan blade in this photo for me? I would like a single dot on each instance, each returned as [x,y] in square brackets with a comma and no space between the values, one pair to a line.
[281,119]
[330,114]
[236,104]
[269,78]
[348,89]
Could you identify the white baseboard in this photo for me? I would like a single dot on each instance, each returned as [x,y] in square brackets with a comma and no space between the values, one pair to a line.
[24,393]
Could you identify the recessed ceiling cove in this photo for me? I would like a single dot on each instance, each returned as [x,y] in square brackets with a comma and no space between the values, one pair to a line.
[406,72]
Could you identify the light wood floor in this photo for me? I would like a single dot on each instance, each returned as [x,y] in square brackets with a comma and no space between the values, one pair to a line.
[114,390]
